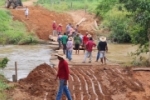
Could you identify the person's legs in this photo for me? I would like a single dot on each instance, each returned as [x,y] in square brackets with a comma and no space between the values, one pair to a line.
[85,56]
[70,55]
[78,47]
[90,57]
[60,90]
[104,55]
[67,54]
[64,48]
[98,55]
[53,32]
[67,92]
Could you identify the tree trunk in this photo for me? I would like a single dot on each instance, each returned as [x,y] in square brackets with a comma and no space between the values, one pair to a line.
[149,44]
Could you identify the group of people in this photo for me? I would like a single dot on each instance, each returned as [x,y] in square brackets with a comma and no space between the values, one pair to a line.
[63,69]
[69,40]
[72,39]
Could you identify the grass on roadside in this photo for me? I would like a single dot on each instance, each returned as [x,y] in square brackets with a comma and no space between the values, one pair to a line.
[3,87]
[13,32]
[66,5]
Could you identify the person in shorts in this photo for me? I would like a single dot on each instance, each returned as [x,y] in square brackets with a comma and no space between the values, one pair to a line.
[102,49]
[77,43]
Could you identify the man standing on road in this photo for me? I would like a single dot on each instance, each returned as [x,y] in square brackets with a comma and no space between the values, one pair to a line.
[69,48]
[89,46]
[59,29]
[85,39]
[54,26]
[102,49]
[26,12]
[77,43]
[63,75]
[64,40]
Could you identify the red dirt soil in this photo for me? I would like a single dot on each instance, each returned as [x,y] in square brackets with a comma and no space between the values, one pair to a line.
[40,20]
[85,83]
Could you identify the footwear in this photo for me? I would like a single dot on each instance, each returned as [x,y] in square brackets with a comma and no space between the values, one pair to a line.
[89,61]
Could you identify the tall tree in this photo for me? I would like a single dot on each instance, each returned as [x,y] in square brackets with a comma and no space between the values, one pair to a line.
[141,15]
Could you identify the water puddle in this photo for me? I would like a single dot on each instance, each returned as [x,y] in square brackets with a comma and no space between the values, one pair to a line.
[27,57]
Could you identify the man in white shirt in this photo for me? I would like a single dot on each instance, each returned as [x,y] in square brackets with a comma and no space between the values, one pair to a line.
[26,12]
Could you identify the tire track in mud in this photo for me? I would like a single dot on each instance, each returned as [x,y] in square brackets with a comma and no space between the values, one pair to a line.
[94,83]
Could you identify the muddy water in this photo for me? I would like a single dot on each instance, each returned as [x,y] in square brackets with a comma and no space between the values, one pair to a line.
[27,58]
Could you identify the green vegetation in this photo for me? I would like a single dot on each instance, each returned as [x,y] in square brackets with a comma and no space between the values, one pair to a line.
[63,5]
[3,63]
[128,20]
[3,83]
[13,32]
[3,87]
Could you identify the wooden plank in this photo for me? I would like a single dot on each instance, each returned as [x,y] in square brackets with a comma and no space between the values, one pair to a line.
[141,69]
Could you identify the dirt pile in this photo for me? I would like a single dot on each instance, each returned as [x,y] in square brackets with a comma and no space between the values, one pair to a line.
[40,83]
[40,20]
[86,83]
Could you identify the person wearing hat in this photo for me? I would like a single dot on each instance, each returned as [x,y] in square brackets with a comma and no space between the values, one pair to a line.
[54,26]
[63,75]
[69,46]
[102,49]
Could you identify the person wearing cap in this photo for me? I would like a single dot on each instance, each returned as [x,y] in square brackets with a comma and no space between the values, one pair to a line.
[59,29]
[54,26]
[89,46]
[77,42]
[102,49]
[69,48]
[63,75]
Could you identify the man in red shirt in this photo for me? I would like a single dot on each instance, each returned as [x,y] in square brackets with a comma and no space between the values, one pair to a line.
[54,26]
[85,39]
[59,29]
[89,46]
[63,75]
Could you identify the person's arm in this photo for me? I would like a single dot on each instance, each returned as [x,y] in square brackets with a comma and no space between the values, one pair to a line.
[58,72]
[67,72]
[106,47]
[98,47]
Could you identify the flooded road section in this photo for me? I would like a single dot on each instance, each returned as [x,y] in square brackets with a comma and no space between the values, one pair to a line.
[27,57]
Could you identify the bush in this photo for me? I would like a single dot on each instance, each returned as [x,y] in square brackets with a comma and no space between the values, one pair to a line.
[3,63]
[118,24]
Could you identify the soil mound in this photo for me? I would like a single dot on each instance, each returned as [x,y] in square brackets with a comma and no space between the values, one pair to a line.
[85,83]
[40,82]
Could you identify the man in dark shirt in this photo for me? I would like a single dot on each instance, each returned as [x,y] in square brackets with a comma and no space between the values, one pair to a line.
[63,75]
[102,49]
